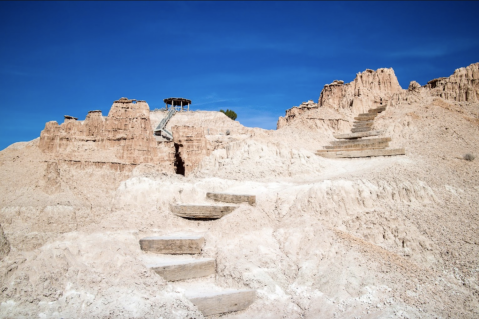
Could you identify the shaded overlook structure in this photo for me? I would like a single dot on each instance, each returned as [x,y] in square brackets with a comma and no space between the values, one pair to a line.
[177,105]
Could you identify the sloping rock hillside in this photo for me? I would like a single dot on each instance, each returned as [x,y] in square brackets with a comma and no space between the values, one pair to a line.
[383,237]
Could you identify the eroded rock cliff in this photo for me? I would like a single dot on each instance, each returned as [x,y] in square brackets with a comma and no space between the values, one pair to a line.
[123,137]
[462,86]
[368,90]
[340,102]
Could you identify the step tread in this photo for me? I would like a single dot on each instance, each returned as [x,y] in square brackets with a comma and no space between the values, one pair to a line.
[363,122]
[364,141]
[202,211]
[182,269]
[349,136]
[165,261]
[366,115]
[232,198]
[347,149]
[364,119]
[173,237]
[361,130]
[377,110]
[366,153]
[360,125]
[360,146]
[211,299]
[173,244]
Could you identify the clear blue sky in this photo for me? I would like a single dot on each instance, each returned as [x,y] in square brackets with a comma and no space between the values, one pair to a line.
[257,58]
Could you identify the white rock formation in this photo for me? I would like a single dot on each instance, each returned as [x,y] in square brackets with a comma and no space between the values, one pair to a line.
[377,237]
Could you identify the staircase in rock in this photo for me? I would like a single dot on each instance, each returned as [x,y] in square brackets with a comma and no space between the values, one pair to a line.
[177,257]
[161,128]
[362,141]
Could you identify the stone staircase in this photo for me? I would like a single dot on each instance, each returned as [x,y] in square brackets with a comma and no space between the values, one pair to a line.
[160,129]
[177,258]
[361,142]
[364,121]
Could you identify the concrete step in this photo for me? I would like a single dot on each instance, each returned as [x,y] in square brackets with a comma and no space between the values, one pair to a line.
[181,269]
[358,145]
[350,136]
[368,117]
[360,130]
[364,153]
[377,110]
[174,244]
[334,150]
[370,127]
[202,211]
[364,141]
[363,124]
[213,300]
[366,114]
[232,198]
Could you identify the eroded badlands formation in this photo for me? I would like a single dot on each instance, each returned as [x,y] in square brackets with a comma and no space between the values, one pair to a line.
[380,237]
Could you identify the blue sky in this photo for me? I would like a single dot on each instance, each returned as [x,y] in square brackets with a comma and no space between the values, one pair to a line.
[257,58]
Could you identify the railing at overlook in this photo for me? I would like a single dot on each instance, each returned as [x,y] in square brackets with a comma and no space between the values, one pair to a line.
[161,127]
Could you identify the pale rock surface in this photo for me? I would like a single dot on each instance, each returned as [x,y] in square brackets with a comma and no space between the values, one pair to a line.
[123,137]
[192,146]
[328,238]
[213,123]
[367,90]
[462,86]
[339,102]
[414,86]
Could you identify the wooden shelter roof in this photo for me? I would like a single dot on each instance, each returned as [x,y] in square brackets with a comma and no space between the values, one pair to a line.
[176,101]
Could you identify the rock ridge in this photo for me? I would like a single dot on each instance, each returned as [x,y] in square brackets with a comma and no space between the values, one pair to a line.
[339,102]
[124,136]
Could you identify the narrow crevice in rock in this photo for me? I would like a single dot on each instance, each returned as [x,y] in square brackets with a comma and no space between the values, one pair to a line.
[179,163]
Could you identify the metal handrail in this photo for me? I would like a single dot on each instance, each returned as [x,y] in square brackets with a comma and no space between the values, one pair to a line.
[164,121]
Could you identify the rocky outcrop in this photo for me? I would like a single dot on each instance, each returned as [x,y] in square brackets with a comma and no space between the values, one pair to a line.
[124,136]
[313,118]
[191,147]
[125,139]
[309,104]
[214,123]
[369,89]
[414,86]
[339,102]
[462,86]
